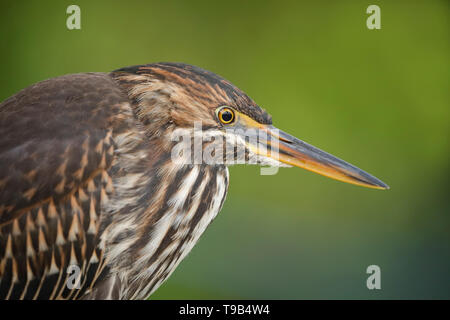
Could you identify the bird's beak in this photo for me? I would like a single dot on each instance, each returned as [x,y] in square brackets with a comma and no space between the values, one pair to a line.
[288,149]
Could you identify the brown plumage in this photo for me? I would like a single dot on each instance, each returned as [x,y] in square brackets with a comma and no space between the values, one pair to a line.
[64,145]
[86,178]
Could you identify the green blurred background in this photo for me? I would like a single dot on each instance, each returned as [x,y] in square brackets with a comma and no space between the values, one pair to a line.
[376,98]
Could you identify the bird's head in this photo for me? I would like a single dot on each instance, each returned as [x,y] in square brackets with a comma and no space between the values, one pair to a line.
[174,99]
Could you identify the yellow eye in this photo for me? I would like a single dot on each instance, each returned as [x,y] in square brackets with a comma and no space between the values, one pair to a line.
[226,115]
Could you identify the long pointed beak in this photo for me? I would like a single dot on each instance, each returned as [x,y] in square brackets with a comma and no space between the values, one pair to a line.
[298,153]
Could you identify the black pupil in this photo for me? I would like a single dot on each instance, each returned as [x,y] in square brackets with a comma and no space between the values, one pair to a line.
[227,116]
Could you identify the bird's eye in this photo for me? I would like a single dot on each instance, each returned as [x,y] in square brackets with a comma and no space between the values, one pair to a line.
[226,115]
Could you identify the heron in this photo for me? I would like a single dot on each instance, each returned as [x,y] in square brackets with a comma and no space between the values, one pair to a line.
[92,203]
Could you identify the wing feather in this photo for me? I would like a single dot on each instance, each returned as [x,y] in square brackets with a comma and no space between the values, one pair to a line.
[56,151]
